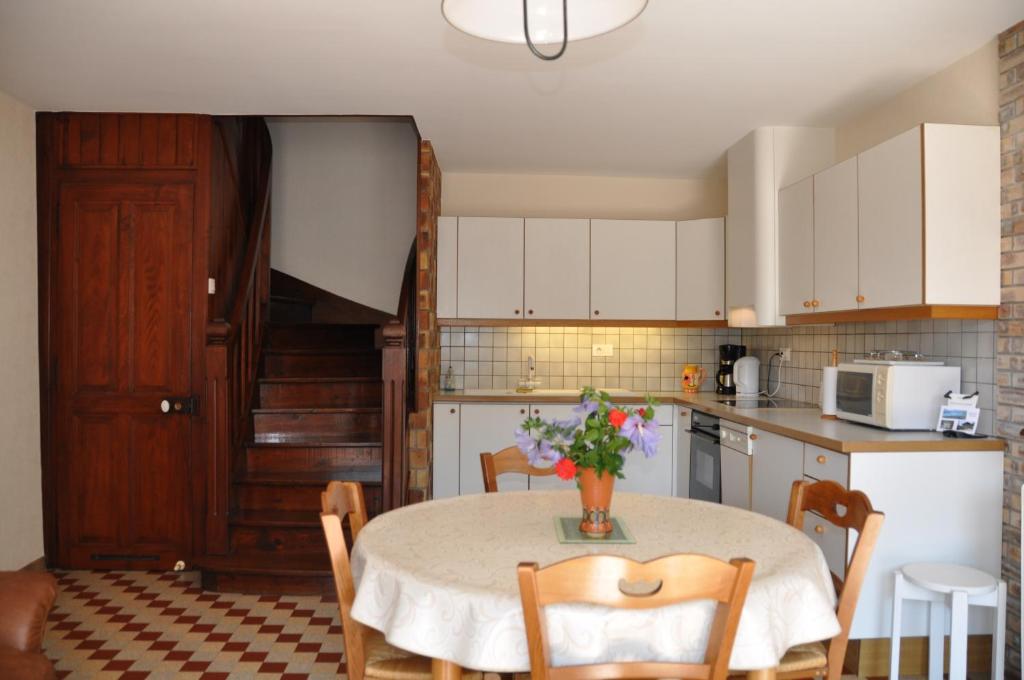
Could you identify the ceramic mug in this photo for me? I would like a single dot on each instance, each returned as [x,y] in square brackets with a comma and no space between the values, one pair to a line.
[693,377]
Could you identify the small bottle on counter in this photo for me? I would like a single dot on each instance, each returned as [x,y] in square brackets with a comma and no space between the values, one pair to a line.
[449,380]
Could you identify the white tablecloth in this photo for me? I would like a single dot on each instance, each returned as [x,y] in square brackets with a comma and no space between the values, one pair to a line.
[439,579]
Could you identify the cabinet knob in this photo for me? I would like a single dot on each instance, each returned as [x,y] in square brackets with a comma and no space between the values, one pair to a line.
[807,303]
[522,411]
[517,312]
[860,298]
[818,529]
[683,413]
[821,459]
[815,303]
[452,411]
[536,411]
[753,437]
[718,312]
[529,311]
[597,312]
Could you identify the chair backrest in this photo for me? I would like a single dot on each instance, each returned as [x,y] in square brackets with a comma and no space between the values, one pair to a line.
[508,460]
[622,583]
[846,510]
[339,500]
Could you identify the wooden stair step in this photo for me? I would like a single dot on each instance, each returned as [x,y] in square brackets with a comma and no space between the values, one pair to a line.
[300,490]
[288,457]
[294,424]
[321,335]
[320,392]
[318,363]
[276,518]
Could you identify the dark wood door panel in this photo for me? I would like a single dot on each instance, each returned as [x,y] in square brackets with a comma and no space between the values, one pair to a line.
[122,327]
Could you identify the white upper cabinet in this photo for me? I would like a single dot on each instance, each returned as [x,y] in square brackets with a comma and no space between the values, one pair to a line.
[891,222]
[796,247]
[632,270]
[447,267]
[700,270]
[490,268]
[557,282]
[835,237]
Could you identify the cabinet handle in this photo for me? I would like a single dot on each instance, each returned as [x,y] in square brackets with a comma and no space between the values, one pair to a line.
[683,414]
[529,311]
[718,312]
[807,303]
[597,312]
[522,411]
[753,437]
[815,303]
[517,312]
[860,298]
[452,411]
[821,459]
[536,411]
[818,529]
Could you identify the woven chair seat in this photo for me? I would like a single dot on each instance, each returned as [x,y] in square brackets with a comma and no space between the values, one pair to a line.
[809,657]
[387,662]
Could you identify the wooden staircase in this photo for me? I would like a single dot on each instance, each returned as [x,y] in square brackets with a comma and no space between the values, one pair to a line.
[318,417]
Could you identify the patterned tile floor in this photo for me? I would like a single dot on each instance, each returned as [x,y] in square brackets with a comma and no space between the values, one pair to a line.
[162,625]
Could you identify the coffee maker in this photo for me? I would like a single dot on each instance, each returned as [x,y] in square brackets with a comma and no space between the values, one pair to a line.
[727,356]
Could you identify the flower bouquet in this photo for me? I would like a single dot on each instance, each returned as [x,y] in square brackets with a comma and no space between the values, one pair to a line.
[591,448]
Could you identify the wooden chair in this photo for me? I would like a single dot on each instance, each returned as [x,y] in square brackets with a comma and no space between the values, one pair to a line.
[847,510]
[597,579]
[508,460]
[367,654]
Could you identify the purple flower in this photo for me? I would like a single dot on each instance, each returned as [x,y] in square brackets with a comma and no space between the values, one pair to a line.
[567,424]
[586,407]
[536,451]
[642,434]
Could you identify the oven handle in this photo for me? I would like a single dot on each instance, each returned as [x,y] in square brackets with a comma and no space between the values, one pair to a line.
[704,433]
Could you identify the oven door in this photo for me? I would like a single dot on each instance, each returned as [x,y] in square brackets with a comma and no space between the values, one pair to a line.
[855,393]
[705,466]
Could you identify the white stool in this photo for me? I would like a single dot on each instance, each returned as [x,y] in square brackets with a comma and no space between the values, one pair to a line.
[932,582]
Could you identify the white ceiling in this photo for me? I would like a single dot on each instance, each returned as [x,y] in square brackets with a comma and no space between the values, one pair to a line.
[665,96]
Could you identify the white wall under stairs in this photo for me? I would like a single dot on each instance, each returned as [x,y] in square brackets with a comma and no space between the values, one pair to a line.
[344,204]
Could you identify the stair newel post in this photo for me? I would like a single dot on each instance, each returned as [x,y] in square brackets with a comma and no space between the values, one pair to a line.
[393,343]
[219,437]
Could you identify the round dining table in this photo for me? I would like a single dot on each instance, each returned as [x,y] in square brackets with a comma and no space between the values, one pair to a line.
[439,579]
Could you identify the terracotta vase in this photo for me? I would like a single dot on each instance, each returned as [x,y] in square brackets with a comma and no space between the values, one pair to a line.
[596,494]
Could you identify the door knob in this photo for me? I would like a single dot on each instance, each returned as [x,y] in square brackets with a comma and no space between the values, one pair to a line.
[165,406]
[183,405]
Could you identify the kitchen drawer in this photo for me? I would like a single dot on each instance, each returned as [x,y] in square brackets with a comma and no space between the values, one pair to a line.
[822,464]
[831,539]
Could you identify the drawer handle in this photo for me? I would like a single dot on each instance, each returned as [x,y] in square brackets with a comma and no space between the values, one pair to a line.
[818,529]
[753,437]
[821,459]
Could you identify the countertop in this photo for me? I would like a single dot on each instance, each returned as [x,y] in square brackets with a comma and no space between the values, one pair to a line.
[803,424]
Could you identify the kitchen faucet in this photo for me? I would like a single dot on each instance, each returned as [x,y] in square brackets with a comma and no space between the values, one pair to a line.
[530,383]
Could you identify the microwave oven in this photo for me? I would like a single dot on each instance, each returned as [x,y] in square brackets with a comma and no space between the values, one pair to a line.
[895,395]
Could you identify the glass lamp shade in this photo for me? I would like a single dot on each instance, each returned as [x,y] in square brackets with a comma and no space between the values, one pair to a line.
[502,20]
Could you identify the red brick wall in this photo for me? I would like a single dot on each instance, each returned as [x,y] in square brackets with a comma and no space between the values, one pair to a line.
[428,353]
[1010,328]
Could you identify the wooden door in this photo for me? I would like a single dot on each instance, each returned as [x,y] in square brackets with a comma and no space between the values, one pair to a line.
[490,276]
[891,222]
[122,305]
[700,270]
[642,252]
[835,237]
[796,248]
[557,278]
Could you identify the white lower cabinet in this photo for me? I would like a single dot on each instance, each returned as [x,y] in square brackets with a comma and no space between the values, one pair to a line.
[651,475]
[778,462]
[445,472]
[550,412]
[684,416]
[487,428]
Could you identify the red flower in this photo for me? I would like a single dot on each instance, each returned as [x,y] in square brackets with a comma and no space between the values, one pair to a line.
[565,469]
[642,412]
[616,417]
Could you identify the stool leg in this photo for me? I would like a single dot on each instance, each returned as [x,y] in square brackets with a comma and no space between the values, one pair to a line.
[958,637]
[936,638]
[897,625]
[999,637]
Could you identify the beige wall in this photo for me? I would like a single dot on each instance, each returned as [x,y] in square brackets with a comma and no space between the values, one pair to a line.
[344,205]
[499,195]
[21,518]
[966,92]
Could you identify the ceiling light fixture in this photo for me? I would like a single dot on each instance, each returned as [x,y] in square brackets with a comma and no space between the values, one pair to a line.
[540,22]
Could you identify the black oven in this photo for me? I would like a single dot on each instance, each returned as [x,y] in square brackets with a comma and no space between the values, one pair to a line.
[705,458]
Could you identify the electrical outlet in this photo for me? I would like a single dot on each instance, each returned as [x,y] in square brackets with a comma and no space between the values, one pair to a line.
[603,350]
[784,351]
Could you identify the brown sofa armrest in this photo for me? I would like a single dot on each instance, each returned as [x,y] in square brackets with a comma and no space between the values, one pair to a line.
[25,601]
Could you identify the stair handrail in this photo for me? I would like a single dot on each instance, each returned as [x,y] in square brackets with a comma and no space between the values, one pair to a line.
[234,344]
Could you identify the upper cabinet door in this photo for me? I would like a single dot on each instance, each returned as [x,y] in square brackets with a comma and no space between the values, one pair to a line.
[835,237]
[557,282]
[490,271]
[447,267]
[632,270]
[796,247]
[700,270]
[891,222]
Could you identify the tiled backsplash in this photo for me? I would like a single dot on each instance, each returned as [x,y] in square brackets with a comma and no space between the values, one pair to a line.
[643,359]
[652,358]
[968,344]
